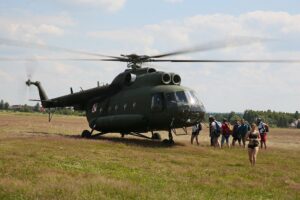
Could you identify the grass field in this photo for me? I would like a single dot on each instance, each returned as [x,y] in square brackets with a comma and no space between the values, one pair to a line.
[41,160]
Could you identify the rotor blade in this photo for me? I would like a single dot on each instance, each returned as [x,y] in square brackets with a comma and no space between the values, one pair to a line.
[61,59]
[232,42]
[229,61]
[31,45]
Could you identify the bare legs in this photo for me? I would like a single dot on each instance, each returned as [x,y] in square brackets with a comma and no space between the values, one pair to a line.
[252,155]
[263,143]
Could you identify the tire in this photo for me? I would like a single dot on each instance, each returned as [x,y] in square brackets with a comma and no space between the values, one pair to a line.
[86,134]
[168,142]
[156,136]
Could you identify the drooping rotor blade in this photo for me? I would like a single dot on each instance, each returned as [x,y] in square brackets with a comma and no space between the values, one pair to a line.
[227,61]
[231,42]
[31,45]
[61,59]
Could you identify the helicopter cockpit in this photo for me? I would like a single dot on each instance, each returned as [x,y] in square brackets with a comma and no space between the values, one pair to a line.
[183,104]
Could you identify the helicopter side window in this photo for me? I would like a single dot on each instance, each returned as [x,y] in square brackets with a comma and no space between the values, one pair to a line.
[157,102]
[181,97]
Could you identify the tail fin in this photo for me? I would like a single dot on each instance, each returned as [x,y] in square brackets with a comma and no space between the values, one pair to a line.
[42,92]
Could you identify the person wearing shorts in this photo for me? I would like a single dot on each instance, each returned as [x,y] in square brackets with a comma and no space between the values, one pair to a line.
[225,133]
[253,137]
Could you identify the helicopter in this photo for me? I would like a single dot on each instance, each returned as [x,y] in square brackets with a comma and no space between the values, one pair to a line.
[139,99]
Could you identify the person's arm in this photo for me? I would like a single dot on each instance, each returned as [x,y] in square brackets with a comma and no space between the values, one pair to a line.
[247,136]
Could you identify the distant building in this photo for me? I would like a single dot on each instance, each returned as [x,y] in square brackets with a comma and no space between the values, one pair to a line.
[21,107]
[295,124]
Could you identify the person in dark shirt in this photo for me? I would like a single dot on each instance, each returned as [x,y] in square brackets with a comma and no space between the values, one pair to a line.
[235,133]
[243,130]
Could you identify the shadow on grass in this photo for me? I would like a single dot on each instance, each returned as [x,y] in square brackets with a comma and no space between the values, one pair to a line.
[128,141]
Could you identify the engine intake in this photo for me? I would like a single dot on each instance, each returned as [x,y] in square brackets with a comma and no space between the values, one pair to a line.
[166,78]
[176,79]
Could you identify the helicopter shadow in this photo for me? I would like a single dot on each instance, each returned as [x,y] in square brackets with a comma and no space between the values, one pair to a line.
[138,142]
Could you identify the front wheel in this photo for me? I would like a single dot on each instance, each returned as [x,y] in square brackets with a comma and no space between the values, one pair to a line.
[156,136]
[86,134]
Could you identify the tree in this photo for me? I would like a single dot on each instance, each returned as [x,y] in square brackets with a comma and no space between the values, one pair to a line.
[6,106]
[37,107]
[1,104]
[296,116]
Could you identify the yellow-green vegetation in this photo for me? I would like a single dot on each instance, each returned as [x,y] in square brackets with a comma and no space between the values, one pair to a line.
[41,160]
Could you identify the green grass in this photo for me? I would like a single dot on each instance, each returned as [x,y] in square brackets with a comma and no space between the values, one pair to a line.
[52,166]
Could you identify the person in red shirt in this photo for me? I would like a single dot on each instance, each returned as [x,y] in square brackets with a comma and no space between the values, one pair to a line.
[225,133]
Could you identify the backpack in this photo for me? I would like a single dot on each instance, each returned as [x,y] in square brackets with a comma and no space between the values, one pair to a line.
[266,128]
[199,127]
[218,128]
[195,129]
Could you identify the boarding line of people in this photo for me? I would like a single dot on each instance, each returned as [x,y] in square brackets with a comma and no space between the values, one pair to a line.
[241,132]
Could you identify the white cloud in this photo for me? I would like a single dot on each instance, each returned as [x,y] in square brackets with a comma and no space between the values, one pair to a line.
[34,28]
[109,5]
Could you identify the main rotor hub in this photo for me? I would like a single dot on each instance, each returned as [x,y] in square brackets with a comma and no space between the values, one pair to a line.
[135,61]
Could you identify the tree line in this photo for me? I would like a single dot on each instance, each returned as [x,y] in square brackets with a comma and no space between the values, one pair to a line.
[5,106]
[274,119]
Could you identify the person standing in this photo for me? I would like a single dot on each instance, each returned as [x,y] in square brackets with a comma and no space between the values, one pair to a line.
[263,128]
[253,137]
[243,130]
[215,131]
[195,132]
[225,133]
[235,133]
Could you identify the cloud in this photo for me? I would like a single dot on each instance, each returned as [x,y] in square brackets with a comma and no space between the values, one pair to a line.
[33,28]
[108,5]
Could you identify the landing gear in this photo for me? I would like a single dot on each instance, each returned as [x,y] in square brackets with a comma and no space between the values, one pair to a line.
[170,141]
[156,136]
[86,134]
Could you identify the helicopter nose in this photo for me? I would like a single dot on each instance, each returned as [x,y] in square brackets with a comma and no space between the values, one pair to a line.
[191,114]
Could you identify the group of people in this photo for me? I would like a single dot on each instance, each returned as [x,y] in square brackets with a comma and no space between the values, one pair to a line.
[241,132]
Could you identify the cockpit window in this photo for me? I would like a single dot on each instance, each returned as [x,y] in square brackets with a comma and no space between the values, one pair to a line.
[157,102]
[181,97]
[192,97]
[171,98]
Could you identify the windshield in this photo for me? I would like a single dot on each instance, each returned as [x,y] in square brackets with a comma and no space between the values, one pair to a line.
[181,97]
[192,97]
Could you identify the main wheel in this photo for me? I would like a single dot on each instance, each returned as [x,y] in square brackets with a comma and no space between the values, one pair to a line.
[156,136]
[86,134]
[168,142]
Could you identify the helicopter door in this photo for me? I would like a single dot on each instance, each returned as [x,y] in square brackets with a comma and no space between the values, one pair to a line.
[157,102]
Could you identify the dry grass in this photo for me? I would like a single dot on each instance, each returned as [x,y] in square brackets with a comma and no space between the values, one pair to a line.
[41,160]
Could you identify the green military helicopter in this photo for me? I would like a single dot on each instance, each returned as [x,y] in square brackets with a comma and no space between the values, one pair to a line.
[140,99]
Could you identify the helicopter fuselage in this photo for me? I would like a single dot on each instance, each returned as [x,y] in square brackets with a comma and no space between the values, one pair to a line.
[147,108]
[138,100]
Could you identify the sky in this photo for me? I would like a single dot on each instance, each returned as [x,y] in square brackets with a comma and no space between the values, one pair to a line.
[115,27]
